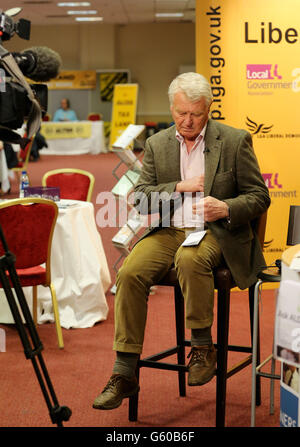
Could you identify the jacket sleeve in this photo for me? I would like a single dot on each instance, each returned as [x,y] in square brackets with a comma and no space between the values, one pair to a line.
[252,197]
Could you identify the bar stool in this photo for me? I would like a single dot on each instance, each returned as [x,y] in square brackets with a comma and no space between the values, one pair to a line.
[223,284]
[270,275]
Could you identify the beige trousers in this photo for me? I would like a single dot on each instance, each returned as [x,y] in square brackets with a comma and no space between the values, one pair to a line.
[147,263]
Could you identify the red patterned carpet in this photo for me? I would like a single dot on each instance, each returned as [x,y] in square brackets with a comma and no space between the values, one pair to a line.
[82,368]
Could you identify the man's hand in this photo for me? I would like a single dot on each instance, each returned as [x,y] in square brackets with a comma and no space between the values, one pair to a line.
[212,209]
[193,184]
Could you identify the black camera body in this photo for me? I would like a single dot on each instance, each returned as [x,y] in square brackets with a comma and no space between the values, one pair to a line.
[19,100]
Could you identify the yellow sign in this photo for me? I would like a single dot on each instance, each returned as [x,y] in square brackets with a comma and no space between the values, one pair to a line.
[66,130]
[249,51]
[123,109]
[75,79]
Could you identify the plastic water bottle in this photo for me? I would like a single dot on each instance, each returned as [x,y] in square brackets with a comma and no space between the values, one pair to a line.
[24,182]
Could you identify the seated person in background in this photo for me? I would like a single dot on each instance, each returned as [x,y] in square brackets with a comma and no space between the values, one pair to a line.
[64,113]
[198,156]
[39,143]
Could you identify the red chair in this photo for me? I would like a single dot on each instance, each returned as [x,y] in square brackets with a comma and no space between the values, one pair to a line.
[94,117]
[74,184]
[28,226]
[46,117]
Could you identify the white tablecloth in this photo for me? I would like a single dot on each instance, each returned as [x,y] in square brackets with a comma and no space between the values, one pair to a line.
[79,271]
[76,146]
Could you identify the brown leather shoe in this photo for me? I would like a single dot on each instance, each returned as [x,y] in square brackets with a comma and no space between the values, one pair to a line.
[202,365]
[117,388]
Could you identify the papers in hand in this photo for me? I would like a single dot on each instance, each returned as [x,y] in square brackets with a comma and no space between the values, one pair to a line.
[194,238]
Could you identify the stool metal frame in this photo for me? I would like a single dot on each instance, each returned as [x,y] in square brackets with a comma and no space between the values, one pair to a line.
[271,275]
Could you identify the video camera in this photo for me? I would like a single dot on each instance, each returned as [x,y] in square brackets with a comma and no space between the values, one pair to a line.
[19,100]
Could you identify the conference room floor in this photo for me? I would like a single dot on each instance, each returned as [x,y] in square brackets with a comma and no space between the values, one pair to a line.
[80,371]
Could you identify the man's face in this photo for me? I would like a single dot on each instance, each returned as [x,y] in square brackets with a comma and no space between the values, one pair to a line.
[64,104]
[189,117]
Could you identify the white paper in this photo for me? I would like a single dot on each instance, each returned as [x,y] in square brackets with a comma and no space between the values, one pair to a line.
[295,264]
[194,238]
[130,133]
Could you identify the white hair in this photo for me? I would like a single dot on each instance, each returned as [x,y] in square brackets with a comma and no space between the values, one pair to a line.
[193,85]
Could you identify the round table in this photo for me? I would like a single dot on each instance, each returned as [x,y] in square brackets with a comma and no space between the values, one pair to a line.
[79,271]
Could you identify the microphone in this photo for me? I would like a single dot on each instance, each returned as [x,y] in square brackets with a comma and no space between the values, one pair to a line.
[39,63]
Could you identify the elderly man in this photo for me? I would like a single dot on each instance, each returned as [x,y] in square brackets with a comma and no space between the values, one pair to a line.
[213,169]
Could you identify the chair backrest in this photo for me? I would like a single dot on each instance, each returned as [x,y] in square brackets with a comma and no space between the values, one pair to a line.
[74,184]
[46,117]
[94,117]
[28,226]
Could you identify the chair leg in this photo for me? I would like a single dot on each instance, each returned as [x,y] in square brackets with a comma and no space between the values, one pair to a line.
[222,354]
[255,337]
[180,337]
[56,317]
[34,304]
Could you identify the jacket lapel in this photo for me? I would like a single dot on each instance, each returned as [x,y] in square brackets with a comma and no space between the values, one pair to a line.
[172,152]
[212,155]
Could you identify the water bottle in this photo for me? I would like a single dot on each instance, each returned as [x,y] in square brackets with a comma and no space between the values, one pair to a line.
[24,182]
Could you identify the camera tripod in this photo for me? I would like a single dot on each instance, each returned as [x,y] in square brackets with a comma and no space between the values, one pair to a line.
[31,342]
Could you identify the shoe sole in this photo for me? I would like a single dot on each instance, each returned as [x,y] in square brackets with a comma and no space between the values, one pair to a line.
[203,382]
[112,407]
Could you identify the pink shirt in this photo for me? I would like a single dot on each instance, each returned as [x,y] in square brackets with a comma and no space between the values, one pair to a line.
[191,165]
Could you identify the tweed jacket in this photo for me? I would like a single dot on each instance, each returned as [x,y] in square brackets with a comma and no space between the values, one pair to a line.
[232,174]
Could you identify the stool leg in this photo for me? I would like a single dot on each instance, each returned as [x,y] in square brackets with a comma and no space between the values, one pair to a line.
[180,337]
[222,354]
[254,353]
[134,401]
[257,350]
[272,385]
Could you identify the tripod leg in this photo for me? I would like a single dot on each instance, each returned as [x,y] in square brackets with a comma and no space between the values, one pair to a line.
[57,413]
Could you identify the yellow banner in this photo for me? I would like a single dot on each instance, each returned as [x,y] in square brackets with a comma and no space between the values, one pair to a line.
[250,53]
[74,79]
[66,130]
[123,109]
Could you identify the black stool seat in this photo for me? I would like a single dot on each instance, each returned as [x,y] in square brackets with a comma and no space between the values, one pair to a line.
[269,275]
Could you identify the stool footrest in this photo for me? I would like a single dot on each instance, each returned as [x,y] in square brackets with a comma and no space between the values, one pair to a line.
[161,355]
[268,375]
[163,365]
[239,366]
[236,348]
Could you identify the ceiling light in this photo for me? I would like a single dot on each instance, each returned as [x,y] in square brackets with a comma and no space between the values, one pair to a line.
[74,4]
[169,14]
[88,19]
[91,11]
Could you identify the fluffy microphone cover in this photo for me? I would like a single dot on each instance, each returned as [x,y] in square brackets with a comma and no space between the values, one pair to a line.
[47,66]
